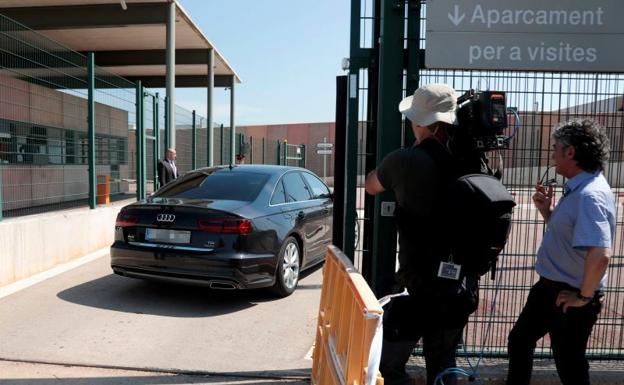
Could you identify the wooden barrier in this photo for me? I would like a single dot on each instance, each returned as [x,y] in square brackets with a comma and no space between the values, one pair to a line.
[349,327]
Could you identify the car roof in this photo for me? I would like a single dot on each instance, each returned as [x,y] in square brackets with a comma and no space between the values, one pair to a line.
[258,168]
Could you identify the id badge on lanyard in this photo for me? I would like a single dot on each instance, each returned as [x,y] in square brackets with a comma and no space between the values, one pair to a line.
[449,270]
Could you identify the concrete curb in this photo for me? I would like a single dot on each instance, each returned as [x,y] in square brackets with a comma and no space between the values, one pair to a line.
[30,281]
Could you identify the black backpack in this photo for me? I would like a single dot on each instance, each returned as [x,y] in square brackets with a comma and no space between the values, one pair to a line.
[479,221]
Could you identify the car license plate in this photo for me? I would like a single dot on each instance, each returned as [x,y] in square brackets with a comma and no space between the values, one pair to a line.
[167,236]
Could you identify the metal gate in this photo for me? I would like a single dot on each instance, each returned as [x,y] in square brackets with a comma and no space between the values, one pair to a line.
[381,75]
[291,154]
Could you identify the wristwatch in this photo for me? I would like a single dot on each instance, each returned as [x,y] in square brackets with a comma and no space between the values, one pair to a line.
[583,298]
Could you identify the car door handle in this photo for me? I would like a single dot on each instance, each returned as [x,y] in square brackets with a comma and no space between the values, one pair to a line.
[301,215]
[325,210]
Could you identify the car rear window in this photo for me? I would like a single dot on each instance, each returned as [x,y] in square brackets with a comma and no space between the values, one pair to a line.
[296,189]
[221,184]
[318,188]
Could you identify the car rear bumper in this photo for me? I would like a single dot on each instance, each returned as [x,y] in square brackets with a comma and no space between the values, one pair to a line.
[219,270]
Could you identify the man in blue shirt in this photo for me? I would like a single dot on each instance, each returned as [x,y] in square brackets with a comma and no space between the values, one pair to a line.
[572,259]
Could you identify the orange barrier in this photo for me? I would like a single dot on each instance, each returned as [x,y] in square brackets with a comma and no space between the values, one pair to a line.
[103,190]
[348,335]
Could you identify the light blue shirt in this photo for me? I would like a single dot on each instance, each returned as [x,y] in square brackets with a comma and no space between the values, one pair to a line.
[583,218]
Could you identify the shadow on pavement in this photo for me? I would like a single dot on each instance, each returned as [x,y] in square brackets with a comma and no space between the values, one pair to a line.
[117,293]
[130,295]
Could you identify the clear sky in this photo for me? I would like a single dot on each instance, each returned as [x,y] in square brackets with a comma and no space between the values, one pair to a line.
[287,53]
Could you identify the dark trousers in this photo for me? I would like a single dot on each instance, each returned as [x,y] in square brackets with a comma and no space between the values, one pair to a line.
[568,332]
[403,328]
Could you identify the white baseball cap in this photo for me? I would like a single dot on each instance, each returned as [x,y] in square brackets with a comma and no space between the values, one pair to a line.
[429,104]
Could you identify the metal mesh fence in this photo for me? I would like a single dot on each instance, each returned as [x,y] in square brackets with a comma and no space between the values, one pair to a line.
[161,129]
[43,111]
[541,100]
[272,147]
[292,154]
[115,114]
[151,107]
[44,163]
[184,139]
[202,144]
[258,151]
[222,148]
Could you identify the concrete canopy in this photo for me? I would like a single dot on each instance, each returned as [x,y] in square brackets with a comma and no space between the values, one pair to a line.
[130,43]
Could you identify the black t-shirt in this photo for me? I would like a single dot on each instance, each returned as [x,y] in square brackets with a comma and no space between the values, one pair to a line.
[419,178]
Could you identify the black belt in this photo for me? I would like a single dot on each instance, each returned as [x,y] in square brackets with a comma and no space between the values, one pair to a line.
[556,284]
[564,286]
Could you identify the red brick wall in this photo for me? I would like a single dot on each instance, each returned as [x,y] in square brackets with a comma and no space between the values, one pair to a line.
[309,134]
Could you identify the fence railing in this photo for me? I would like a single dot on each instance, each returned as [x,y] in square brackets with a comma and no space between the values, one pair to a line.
[45,144]
[541,100]
[43,123]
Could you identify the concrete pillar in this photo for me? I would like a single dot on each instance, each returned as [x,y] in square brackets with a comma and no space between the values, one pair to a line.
[170,74]
[210,93]
[232,125]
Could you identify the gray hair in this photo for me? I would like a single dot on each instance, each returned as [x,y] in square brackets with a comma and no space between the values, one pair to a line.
[590,142]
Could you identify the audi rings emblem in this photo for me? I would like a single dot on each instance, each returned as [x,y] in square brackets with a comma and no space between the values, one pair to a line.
[165,217]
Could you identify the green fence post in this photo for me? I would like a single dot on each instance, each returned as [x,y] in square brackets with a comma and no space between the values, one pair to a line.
[302,162]
[194,143]
[251,150]
[156,141]
[221,150]
[413,62]
[285,149]
[388,139]
[263,150]
[0,192]
[137,139]
[167,129]
[279,154]
[143,152]
[209,143]
[140,143]
[91,128]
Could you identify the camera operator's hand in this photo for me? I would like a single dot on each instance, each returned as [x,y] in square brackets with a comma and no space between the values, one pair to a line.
[542,199]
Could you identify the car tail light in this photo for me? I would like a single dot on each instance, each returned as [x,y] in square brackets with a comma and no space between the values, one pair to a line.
[125,220]
[225,226]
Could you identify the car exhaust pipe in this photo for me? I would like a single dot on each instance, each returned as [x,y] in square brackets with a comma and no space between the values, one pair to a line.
[222,285]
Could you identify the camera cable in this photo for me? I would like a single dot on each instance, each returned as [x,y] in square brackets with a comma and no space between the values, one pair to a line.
[472,374]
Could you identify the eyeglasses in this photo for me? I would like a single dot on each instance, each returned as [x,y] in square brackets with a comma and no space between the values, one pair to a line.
[548,182]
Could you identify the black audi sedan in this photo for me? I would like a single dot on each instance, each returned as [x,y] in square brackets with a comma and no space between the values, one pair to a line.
[229,227]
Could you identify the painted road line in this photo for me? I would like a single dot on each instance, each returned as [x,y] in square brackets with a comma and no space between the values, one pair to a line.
[35,279]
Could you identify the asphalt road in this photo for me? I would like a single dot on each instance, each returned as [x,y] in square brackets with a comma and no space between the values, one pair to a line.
[88,316]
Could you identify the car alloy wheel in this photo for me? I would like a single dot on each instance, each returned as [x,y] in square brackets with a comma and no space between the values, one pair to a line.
[288,268]
[290,265]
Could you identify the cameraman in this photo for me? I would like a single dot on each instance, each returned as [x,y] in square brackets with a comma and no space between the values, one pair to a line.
[438,306]
[572,259]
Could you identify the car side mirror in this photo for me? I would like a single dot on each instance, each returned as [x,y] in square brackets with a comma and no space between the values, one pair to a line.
[329,195]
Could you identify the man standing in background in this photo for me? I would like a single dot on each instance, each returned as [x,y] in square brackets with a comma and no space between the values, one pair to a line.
[167,170]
